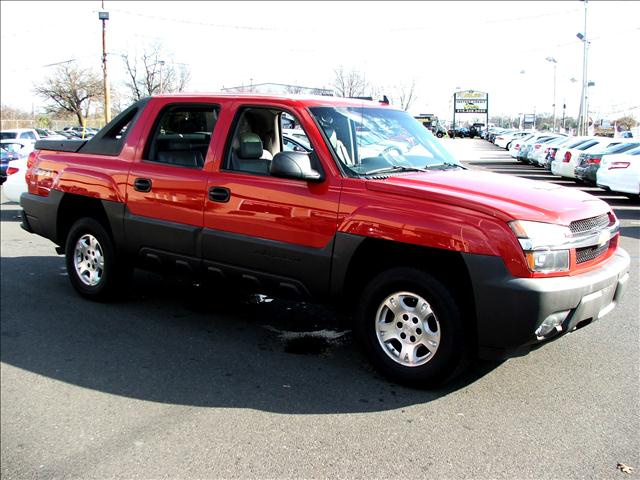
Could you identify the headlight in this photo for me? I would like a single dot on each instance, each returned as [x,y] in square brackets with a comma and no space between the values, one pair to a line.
[544,245]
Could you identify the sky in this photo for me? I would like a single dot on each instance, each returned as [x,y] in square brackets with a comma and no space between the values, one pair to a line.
[496,47]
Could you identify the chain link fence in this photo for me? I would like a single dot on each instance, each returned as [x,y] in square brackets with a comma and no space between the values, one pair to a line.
[10,123]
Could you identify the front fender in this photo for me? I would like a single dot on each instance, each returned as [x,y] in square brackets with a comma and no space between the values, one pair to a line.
[433,225]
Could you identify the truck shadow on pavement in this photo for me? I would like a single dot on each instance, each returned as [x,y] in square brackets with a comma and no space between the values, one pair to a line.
[13,215]
[172,343]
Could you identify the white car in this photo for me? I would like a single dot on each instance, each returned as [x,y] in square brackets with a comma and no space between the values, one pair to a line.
[567,158]
[16,184]
[504,139]
[514,149]
[620,172]
[540,156]
[536,147]
[28,134]
[533,143]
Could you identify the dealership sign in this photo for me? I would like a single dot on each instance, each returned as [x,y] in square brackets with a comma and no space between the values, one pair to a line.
[471,101]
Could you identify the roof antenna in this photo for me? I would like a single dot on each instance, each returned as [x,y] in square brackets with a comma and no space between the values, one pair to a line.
[384,100]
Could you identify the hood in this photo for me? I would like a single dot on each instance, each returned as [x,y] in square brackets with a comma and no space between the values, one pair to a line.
[498,195]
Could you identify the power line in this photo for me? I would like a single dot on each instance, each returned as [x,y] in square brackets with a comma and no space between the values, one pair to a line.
[59,63]
[195,22]
[488,22]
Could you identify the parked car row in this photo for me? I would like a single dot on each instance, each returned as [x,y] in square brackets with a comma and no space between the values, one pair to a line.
[610,163]
[462,132]
[35,134]
[18,143]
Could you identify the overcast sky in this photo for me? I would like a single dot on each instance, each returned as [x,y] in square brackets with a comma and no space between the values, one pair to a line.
[442,45]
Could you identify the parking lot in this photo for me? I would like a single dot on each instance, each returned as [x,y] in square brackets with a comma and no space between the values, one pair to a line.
[176,382]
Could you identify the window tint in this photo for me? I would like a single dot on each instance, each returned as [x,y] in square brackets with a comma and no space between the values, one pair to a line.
[577,143]
[373,140]
[259,135]
[8,135]
[586,145]
[182,135]
[12,147]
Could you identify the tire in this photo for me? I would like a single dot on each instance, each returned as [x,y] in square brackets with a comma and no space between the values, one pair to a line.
[633,196]
[101,274]
[428,317]
[439,135]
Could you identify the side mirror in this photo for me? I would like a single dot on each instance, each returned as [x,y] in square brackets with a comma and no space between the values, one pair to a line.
[296,165]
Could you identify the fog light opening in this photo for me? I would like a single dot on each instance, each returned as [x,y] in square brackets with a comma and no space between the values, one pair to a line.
[553,323]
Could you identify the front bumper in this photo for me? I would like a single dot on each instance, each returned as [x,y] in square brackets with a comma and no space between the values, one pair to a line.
[509,309]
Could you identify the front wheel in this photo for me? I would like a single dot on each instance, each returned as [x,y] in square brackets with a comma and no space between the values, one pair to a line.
[93,266]
[410,327]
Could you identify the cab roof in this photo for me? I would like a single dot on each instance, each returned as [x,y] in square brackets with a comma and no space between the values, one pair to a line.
[297,99]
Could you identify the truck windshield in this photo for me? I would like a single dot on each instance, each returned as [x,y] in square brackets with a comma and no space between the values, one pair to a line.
[369,140]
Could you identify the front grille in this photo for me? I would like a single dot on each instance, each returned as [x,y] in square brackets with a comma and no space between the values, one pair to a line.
[589,224]
[590,253]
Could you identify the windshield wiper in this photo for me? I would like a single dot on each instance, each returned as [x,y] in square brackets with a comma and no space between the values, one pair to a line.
[396,168]
[443,166]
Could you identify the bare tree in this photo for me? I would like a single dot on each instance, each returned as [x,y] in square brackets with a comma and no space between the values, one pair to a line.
[149,73]
[349,84]
[406,95]
[294,89]
[71,89]
[627,122]
[403,95]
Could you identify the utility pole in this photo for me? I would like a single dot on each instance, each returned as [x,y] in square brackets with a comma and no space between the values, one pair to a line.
[161,63]
[583,119]
[555,64]
[104,16]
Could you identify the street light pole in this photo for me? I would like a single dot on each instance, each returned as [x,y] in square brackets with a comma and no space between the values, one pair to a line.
[104,16]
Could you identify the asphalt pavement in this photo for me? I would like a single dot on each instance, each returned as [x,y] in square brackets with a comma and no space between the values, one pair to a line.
[174,382]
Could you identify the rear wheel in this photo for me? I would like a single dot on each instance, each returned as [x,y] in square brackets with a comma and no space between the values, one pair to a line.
[410,327]
[93,266]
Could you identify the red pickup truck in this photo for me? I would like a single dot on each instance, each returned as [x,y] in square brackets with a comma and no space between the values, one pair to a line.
[366,211]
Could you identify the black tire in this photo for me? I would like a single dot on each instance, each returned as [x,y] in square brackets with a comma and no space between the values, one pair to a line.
[633,196]
[439,134]
[451,351]
[113,274]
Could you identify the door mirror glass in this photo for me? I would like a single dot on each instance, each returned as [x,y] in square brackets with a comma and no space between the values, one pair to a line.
[296,165]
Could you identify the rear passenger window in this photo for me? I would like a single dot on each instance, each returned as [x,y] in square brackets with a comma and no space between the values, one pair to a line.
[182,135]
